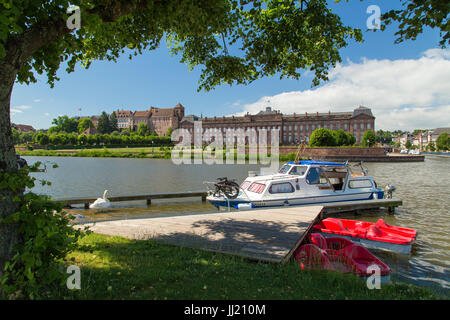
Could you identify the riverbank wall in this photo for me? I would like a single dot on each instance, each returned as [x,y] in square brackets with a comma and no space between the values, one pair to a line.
[353,154]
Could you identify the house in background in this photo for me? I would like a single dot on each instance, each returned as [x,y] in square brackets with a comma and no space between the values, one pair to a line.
[124,119]
[437,132]
[23,128]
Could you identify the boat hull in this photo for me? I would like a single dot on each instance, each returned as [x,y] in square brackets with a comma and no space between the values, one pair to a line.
[317,200]
[375,245]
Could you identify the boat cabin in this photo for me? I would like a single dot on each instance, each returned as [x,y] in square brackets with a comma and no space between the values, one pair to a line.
[309,176]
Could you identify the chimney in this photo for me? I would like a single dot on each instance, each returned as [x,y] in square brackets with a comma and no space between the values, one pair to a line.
[306,114]
[317,113]
[329,112]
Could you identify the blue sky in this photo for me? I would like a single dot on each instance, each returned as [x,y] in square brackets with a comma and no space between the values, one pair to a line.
[158,79]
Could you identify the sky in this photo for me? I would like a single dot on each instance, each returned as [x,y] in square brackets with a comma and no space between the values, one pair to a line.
[406,85]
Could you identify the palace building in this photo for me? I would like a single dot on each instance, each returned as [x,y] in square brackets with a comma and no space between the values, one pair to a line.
[293,128]
[158,119]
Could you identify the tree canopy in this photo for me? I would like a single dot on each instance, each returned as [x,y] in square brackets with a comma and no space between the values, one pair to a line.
[65,124]
[234,41]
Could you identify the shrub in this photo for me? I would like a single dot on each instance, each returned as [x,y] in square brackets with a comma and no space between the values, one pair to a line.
[322,138]
[46,238]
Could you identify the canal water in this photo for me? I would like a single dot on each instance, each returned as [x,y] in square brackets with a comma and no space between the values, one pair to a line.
[423,186]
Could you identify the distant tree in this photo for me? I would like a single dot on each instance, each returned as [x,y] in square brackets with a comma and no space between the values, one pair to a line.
[322,138]
[65,124]
[42,139]
[143,129]
[169,132]
[408,144]
[431,147]
[125,132]
[82,139]
[104,125]
[351,139]
[369,138]
[154,133]
[443,141]
[341,137]
[16,136]
[84,124]
[417,131]
[383,136]
[113,122]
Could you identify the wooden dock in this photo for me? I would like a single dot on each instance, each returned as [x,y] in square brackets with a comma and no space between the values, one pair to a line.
[147,197]
[357,206]
[269,235]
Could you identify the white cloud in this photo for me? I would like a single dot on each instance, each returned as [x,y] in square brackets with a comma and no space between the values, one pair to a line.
[23,107]
[37,100]
[14,111]
[47,114]
[403,94]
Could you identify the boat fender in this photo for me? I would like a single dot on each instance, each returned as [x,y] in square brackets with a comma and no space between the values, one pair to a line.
[244,206]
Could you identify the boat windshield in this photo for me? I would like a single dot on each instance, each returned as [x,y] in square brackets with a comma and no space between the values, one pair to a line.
[298,170]
[284,169]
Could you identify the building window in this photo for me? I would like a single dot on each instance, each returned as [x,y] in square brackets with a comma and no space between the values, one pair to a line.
[331,126]
[362,126]
[313,127]
[368,126]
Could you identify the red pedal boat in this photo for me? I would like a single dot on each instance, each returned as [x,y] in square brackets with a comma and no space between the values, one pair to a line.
[338,254]
[377,235]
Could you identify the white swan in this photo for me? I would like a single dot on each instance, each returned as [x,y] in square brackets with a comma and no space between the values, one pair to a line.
[101,203]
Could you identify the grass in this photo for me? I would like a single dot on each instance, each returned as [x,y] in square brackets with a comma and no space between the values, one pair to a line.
[118,268]
[131,153]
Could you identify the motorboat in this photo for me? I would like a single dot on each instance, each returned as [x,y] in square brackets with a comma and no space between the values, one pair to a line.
[340,255]
[379,235]
[305,182]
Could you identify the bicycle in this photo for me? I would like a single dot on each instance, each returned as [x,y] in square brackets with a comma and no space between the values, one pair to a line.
[227,187]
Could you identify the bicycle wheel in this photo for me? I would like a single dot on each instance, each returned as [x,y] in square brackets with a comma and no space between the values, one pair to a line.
[231,190]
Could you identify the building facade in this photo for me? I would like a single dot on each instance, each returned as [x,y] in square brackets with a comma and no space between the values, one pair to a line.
[292,128]
[158,119]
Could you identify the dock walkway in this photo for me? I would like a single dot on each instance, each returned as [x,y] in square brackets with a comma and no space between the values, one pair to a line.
[269,235]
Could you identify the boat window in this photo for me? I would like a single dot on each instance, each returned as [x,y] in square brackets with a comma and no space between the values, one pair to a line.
[356,184]
[257,187]
[284,169]
[284,187]
[298,170]
[245,184]
[315,176]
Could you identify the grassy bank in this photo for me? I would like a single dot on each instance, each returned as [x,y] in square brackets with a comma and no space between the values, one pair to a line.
[122,153]
[117,268]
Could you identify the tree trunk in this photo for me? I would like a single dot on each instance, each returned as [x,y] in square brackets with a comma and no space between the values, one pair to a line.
[9,235]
